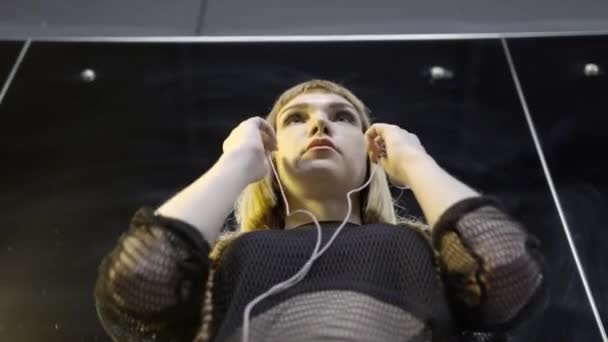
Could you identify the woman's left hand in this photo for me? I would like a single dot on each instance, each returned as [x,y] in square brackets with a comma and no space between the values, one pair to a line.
[395,149]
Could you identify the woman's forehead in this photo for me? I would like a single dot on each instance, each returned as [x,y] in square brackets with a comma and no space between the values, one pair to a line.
[317,98]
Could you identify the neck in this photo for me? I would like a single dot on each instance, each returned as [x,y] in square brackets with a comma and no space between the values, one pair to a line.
[324,209]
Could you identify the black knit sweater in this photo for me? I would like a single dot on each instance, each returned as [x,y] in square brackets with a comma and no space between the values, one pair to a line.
[479,274]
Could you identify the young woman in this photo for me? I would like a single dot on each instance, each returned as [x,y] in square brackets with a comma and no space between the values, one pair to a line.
[172,276]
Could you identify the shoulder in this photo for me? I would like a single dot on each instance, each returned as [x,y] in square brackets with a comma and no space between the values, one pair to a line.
[404,227]
[229,240]
[224,240]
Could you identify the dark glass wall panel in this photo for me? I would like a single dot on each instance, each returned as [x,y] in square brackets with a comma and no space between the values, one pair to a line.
[9,50]
[91,150]
[570,107]
[82,154]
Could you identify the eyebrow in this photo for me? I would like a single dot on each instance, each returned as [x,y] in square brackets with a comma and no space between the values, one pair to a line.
[332,105]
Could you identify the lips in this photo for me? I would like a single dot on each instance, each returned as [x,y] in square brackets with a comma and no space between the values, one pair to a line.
[321,142]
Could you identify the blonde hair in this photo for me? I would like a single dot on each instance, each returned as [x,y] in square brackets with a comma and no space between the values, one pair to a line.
[260,206]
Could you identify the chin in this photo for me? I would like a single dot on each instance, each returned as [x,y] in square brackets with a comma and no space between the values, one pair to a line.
[315,170]
[320,165]
[323,175]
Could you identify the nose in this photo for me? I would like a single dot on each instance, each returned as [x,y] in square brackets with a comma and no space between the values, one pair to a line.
[319,127]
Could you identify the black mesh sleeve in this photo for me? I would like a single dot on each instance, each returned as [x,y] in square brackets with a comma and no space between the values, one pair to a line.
[493,270]
[149,288]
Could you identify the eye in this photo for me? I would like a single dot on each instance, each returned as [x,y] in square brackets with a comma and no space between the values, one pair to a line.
[294,117]
[344,115]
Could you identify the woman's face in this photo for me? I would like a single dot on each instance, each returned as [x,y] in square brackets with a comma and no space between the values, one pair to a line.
[320,115]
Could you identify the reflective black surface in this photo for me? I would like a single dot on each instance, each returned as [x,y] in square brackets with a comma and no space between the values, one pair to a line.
[570,110]
[9,50]
[86,155]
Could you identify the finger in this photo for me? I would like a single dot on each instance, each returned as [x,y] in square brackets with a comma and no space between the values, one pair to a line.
[376,131]
[372,149]
[371,133]
[372,152]
[265,127]
[381,146]
[376,141]
[379,141]
[266,141]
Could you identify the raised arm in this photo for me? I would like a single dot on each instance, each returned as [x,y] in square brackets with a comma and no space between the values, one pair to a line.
[150,286]
[494,272]
[206,203]
[492,267]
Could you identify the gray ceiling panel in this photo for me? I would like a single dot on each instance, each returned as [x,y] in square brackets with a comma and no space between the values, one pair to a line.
[283,17]
[98,18]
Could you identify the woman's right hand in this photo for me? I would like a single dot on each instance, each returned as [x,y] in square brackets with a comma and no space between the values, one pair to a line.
[249,142]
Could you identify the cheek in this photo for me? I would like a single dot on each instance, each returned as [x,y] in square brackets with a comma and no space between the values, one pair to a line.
[287,146]
[356,148]
[291,139]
